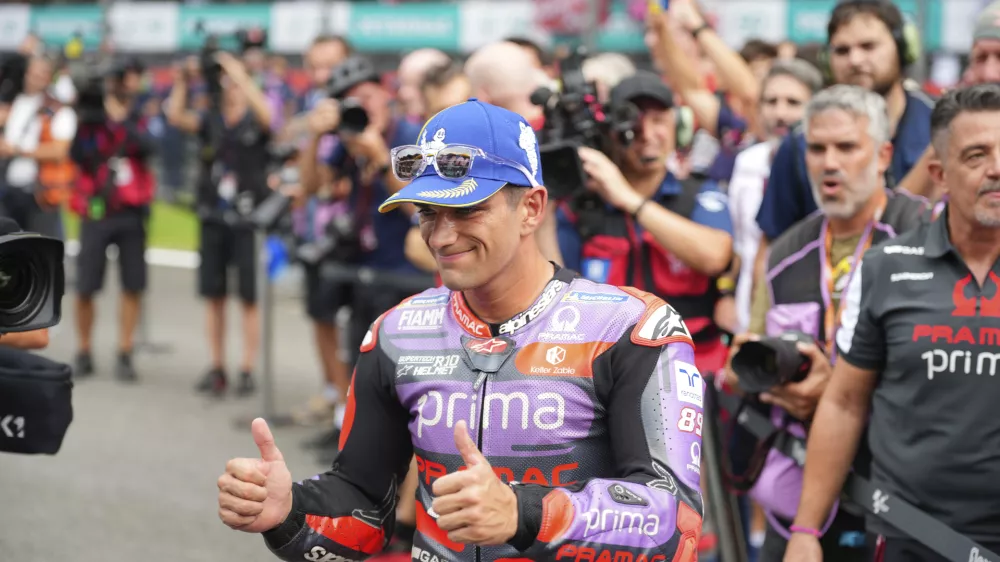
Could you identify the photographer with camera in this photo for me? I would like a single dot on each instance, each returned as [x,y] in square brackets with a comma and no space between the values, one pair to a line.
[234,135]
[650,230]
[37,173]
[113,191]
[358,175]
[797,304]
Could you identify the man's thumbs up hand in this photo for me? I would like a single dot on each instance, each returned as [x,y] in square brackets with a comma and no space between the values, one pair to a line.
[265,441]
[255,495]
[473,505]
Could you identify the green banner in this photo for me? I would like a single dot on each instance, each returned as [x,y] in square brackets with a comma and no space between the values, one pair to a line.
[195,23]
[56,25]
[807,20]
[401,27]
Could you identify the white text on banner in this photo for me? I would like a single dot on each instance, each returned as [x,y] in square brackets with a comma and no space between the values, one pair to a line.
[144,26]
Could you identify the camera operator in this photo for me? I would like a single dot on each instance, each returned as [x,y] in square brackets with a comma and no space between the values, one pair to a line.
[234,135]
[917,348]
[37,171]
[848,150]
[113,191]
[656,233]
[359,175]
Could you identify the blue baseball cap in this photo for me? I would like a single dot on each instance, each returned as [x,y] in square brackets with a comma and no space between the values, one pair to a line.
[507,139]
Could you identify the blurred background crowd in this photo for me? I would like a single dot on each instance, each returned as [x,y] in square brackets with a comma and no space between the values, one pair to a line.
[157,129]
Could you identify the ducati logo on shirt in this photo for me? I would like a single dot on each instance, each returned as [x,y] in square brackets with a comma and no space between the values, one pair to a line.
[966,306]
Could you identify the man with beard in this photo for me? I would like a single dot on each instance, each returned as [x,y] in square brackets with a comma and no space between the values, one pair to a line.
[918,368]
[785,91]
[848,151]
[867,46]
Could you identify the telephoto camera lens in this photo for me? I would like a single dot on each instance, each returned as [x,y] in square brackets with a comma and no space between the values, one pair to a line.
[22,288]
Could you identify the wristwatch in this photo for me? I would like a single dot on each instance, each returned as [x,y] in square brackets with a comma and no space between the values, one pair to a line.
[726,286]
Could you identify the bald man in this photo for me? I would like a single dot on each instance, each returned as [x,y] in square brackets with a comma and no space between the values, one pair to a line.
[411,73]
[504,74]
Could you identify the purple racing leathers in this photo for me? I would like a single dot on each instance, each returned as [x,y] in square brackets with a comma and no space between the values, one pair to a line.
[588,403]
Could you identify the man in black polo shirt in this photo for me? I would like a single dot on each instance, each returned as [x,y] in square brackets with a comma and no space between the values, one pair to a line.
[918,352]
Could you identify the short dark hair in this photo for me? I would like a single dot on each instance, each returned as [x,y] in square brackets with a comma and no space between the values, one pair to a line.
[514,193]
[797,69]
[981,97]
[884,10]
[542,55]
[441,74]
[756,49]
[331,38]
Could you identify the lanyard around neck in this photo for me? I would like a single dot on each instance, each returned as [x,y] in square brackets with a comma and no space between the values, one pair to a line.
[832,314]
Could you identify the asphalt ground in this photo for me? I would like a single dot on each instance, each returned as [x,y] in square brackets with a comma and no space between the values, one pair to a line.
[135,479]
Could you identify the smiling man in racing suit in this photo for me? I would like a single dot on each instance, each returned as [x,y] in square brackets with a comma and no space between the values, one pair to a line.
[553,418]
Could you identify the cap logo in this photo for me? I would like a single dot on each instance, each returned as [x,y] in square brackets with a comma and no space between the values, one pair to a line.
[436,144]
[527,143]
[461,190]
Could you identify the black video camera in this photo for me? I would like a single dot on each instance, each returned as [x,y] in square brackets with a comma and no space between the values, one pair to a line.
[575,117]
[90,97]
[35,392]
[12,71]
[350,73]
[32,282]
[769,362]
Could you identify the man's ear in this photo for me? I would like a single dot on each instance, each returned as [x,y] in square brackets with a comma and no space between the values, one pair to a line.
[936,171]
[532,209]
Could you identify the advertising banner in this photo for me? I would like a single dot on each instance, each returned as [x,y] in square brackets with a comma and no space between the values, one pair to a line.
[402,27]
[14,23]
[148,27]
[56,25]
[223,21]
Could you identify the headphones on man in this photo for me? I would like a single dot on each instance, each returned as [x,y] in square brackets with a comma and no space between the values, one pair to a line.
[906,37]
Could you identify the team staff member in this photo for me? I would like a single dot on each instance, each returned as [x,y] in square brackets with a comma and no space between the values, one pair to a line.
[234,135]
[847,135]
[905,347]
[867,46]
[505,311]
[113,191]
[669,237]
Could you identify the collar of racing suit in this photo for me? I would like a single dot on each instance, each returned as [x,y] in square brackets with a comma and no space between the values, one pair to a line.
[474,326]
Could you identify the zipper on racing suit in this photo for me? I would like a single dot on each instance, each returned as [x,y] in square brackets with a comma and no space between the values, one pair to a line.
[480,382]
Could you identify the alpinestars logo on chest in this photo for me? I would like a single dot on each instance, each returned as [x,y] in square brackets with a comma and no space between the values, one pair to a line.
[521,320]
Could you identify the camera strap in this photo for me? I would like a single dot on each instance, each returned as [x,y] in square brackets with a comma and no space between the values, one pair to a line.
[916,524]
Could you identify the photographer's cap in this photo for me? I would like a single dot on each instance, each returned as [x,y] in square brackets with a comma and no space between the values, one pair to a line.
[642,84]
[499,133]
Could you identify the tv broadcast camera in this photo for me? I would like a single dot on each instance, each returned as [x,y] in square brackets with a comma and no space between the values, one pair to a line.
[35,392]
[575,117]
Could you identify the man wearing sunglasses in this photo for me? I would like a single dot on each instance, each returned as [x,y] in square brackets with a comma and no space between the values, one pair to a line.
[510,384]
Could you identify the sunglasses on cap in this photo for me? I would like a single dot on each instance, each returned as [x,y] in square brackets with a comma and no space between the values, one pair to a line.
[451,162]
